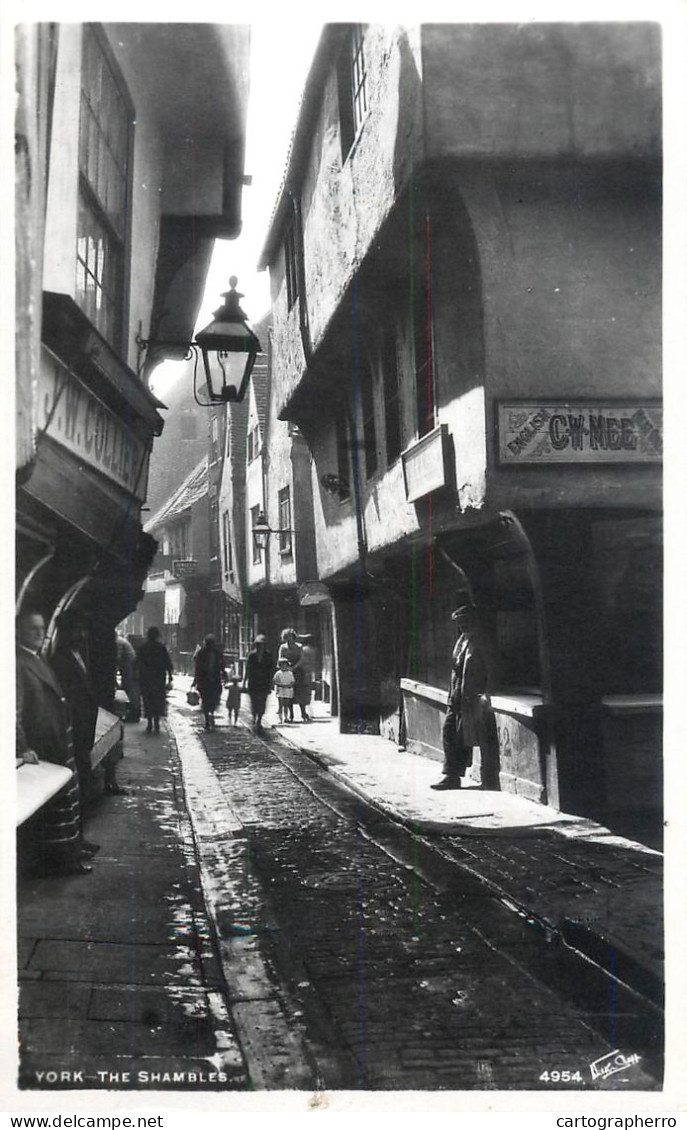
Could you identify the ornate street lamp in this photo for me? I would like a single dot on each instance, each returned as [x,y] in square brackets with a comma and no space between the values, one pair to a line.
[228,347]
[262,531]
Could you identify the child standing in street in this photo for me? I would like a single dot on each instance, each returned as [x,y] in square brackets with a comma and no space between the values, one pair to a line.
[283,684]
[234,699]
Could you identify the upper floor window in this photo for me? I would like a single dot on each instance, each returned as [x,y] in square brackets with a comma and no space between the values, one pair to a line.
[214,435]
[104,158]
[342,457]
[257,555]
[423,353]
[291,265]
[214,526]
[226,542]
[285,521]
[253,444]
[392,395]
[352,83]
[180,539]
[369,428]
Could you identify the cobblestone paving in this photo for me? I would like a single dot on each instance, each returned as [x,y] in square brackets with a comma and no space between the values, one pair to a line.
[407,985]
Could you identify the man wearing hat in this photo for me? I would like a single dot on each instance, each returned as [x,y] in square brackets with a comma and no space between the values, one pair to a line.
[461,730]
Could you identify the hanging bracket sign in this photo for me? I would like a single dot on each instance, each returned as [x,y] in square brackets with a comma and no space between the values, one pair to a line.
[536,432]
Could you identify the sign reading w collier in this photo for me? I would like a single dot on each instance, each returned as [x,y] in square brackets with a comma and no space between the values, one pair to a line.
[77,420]
[535,432]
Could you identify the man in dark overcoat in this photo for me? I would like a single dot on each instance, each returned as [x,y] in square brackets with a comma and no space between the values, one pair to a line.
[462,727]
[43,733]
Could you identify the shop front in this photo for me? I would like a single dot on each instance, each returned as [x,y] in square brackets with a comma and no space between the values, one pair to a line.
[79,541]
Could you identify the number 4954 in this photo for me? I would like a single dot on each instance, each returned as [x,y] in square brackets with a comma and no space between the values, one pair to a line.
[560,1077]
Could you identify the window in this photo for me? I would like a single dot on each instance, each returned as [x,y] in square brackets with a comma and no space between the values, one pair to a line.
[104,143]
[342,457]
[214,526]
[424,362]
[285,521]
[226,541]
[214,434]
[257,556]
[291,259]
[253,444]
[369,429]
[179,540]
[352,82]
[392,396]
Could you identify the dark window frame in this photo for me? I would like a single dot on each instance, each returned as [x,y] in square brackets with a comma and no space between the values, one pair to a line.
[284,505]
[257,552]
[391,386]
[342,453]
[368,420]
[226,539]
[291,265]
[424,364]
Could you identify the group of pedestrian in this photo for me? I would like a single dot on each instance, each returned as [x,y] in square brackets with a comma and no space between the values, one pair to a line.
[57,713]
[292,679]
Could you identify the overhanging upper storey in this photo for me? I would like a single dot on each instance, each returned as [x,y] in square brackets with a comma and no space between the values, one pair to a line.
[194,81]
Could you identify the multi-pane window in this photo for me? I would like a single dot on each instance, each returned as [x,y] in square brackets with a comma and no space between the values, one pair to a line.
[104,145]
[226,541]
[291,265]
[369,428]
[342,457]
[285,520]
[358,77]
[352,84]
[392,396]
[257,556]
[179,539]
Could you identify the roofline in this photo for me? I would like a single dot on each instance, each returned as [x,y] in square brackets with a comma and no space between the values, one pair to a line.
[330,41]
[159,514]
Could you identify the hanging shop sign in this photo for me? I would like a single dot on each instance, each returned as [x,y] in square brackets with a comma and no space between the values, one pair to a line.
[184,567]
[425,466]
[575,431]
[75,419]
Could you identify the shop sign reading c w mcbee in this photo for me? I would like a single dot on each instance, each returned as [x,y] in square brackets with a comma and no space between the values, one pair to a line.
[531,432]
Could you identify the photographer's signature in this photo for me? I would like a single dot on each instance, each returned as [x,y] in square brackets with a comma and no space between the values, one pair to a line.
[612,1063]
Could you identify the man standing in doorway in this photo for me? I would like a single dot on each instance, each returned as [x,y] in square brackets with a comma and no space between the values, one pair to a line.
[462,725]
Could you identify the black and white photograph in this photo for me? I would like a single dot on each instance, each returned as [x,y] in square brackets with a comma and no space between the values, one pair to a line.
[339,359]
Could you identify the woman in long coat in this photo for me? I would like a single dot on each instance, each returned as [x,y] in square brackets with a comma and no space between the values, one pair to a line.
[290,649]
[210,676]
[44,733]
[258,679]
[154,676]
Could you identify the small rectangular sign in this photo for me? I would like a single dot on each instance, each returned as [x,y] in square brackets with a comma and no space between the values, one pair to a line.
[424,464]
[532,432]
[184,567]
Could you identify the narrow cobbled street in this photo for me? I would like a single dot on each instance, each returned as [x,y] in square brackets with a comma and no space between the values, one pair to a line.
[252,923]
[359,955]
